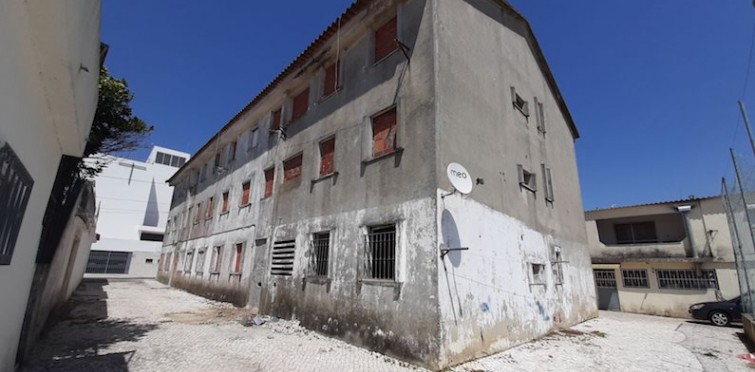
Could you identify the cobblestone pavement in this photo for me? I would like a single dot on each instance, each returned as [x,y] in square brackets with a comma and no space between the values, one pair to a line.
[146,326]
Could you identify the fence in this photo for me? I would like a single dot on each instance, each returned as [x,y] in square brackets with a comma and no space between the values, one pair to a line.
[738,193]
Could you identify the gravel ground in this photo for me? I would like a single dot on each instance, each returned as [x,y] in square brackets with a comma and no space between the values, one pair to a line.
[146,326]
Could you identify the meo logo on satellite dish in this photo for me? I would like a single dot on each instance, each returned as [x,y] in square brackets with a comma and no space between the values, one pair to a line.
[459,178]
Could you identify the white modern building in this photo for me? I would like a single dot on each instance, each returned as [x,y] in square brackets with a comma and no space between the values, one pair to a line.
[133,201]
[49,64]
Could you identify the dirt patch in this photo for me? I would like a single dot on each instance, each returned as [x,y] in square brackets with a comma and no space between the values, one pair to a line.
[210,316]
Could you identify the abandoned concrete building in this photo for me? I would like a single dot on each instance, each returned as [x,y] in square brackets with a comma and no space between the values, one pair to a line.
[660,258]
[326,199]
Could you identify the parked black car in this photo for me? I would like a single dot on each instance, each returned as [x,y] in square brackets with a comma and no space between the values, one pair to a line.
[720,313]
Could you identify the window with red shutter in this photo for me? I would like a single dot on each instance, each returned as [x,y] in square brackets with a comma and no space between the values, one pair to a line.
[239,257]
[245,193]
[269,177]
[275,123]
[327,156]
[225,202]
[301,105]
[331,80]
[384,130]
[292,168]
[210,205]
[385,39]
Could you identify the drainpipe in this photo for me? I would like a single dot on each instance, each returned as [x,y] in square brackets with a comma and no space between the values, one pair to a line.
[684,211]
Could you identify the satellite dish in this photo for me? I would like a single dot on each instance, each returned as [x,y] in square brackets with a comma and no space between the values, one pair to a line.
[459,177]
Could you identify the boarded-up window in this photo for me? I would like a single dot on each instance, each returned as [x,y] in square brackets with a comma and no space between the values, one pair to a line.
[301,105]
[275,122]
[210,206]
[384,128]
[331,80]
[327,156]
[245,193]
[232,152]
[216,259]
[385,39]
[15,188]
[292,168]
[269,177]
[225,202]
[252,140]
[198,213]
[238,257]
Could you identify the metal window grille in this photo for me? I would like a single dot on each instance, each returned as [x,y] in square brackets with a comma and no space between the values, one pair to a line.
[320,253]
[15,188]
[282,262]
[635,278]
[687,279]
[605,278]
[106,262]
[381,252]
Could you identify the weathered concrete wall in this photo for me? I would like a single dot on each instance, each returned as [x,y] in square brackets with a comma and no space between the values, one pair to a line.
[673,302]
[47,104]
[487,303]
[707,221]
[488,300]
[399,188]
[396,318]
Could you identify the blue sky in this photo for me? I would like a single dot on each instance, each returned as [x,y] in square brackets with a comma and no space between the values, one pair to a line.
[652,86]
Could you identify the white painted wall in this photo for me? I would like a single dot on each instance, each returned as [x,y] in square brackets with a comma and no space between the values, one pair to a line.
[487,300]
[47,102]
[133,197]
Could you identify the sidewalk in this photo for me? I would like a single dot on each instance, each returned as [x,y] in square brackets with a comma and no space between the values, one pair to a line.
[142,325]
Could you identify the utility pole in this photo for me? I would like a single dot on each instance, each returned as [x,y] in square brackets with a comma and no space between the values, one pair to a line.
[747,124]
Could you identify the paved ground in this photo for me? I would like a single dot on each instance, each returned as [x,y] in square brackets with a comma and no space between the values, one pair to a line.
[146,326]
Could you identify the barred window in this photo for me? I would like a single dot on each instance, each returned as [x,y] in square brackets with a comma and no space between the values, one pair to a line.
[381,252]
[605,278]
[635,278]
[15,187]
[320,253]
[687,279]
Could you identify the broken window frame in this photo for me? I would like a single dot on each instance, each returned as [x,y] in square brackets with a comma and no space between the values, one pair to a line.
[547,184]
[539,277]
[540,116]
[520,103]
[527,179]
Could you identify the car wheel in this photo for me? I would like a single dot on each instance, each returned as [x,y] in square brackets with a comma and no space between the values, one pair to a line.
[719,318]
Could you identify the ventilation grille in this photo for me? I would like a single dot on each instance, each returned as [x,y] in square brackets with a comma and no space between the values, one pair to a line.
[283,258]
